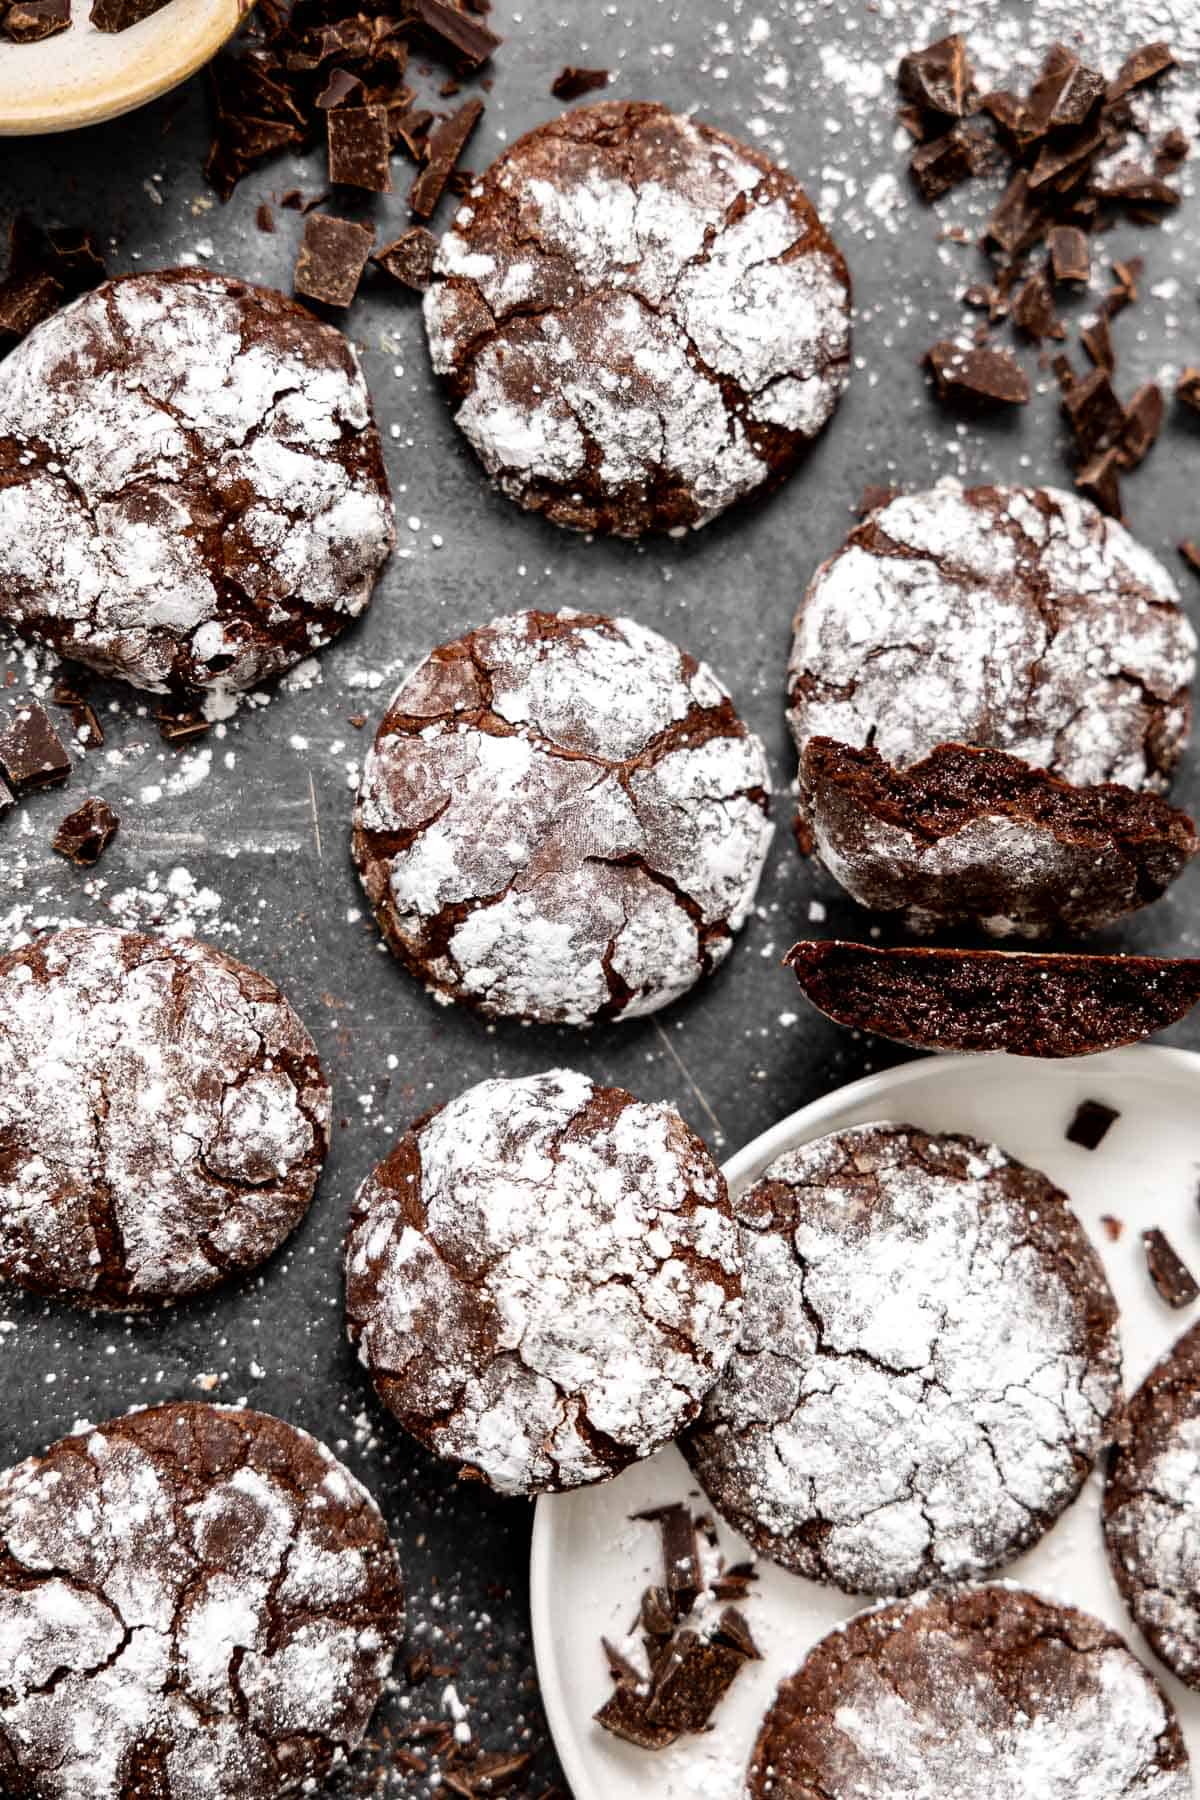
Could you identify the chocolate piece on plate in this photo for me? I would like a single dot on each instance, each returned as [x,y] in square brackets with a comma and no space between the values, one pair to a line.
[1091,1124]
[1168,1271]
[1024,1002]
[30,21]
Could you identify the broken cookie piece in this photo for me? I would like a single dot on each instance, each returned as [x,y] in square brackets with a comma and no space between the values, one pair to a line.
[920,1310]
[978,1001]
[85,834]
[618,376]
[974,836]
[596,864]
[450,1242]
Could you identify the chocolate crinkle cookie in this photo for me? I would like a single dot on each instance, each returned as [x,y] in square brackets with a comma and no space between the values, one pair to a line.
[192,491]
[196,1603]
[562,818]
[982,1694]
[927,1365]
[1152,1508]
[543,1280]
[640,320]
[163,1117]
[1015,621]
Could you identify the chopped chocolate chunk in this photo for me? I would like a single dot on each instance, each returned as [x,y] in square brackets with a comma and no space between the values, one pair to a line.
[1059,170]
[1187,388]
[119,15]
[446,144]
[492,1773]
[692,1676]
[1125,292]
[1096,415]
[341,89]
[29,21]
[181,727]
[1097,341]
[573,83]
[1131,183]
[875,497]
[31,751]
[624,1714]
[264,218]
[939,78]
[7,799]
[1113,1227]
[656,1615]
[293,200]
[25,300]
[1064,373]
[1025,1002]
[452,31]
[1092,1122]
[984,377]
[409,127]
[1143,422]
[1070,259]
[1033,309]
[1171,151]
[1064,95]
[913,121]
[85,835]
[1190,553]
[1098,480]
[360,147]
[1015,224]
[619,1666]
[409,258]
[1008,112]
[1142,66]
[83,715]
[681,1557]
[1168,1271]
[944,161]
[332,258]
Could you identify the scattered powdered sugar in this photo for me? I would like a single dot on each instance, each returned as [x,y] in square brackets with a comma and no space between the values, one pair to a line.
[193,493]
[583,307]
[195,1614]
[1018,619]
[562,817]
[918,1390]
[544,1280]
[163,1117]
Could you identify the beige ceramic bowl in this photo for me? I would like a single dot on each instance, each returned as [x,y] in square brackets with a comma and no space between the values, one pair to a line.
[83,75]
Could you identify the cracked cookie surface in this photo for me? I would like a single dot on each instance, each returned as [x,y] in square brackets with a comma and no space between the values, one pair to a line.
[926,1368]
[195,1602]
[192,490]
[640,320]
[1152,1508]
[562,818]
[984,1694]
[163,1117]
[1016,619]
[543,1280]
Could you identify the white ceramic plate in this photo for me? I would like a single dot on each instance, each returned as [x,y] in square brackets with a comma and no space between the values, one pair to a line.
[591,1561]
[84,75]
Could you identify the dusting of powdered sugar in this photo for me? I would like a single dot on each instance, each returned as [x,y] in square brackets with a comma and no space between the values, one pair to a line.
[1017,619]
[562,818]
[222,1623]
[193,494]
[163,1117]
[544,1280]
[914,1395]
[624,306]
[978,1696]
[1156,1534]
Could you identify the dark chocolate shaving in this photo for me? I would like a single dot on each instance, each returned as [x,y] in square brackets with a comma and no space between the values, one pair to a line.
[1168,1271]
[446,144]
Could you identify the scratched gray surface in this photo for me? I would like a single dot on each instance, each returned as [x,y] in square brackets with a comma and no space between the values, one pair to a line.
[257,821]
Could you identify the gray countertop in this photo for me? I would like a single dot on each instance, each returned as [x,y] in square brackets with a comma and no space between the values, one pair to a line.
[243,837]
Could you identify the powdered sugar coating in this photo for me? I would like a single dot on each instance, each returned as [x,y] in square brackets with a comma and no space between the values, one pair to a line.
[1018,619]
[195,1601]
[562,818]
[1152,1508]
[642,320]
[192,493]
[983,1694]
[163,1117]
[544,1280]
[927,1365]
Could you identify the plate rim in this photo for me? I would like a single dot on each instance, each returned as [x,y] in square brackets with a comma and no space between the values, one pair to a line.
[151,78]
[744,1165]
